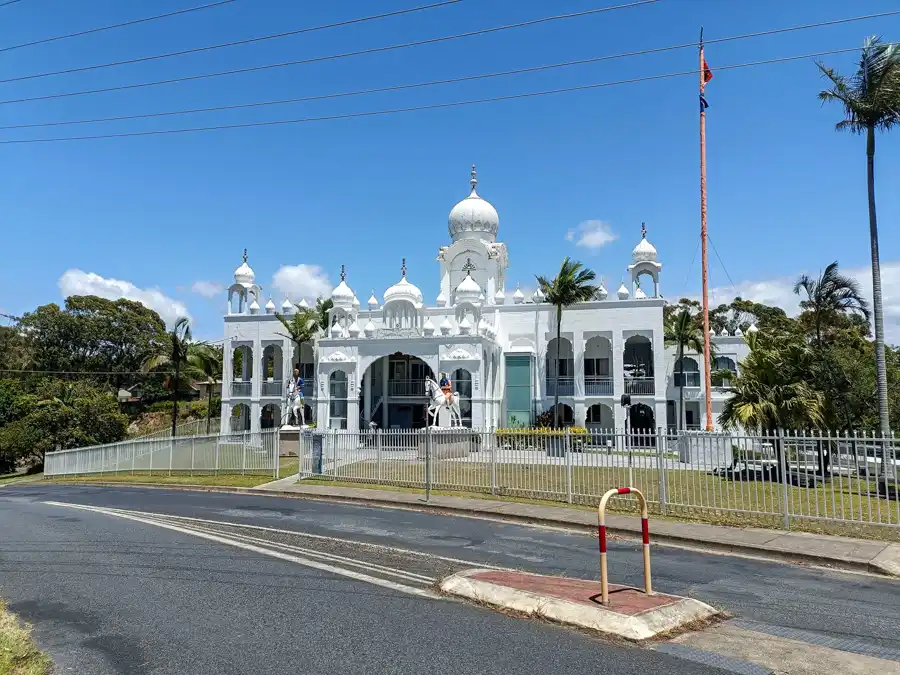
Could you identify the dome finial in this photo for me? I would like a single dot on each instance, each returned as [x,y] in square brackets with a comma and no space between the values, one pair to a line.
[403,268]
[343,274]
[468,267]
[473,180]
[245,255]
[643,230]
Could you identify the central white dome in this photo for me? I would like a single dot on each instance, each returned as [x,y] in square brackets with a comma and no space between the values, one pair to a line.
[644,251]
[474,215]
[403,290]
[244,274]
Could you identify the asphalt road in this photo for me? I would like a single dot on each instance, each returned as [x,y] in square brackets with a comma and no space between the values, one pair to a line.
[113,596]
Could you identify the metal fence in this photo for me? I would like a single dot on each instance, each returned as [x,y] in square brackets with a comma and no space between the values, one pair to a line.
[772,479]
[244,453]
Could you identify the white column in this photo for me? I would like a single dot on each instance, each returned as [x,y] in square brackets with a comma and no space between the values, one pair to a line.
[385,367]
[225,419]
[578,358]
[617,358]
[227,369]
[254,416]
[367,396]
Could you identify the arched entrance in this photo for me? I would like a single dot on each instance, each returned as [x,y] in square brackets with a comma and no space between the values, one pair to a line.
[240,418]
[393,392]
[461,379]
[642,424]
[566,415]
[270,416]
[337,410]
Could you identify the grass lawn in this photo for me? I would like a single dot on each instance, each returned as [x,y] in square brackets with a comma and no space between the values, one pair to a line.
[18,653]
[691,495]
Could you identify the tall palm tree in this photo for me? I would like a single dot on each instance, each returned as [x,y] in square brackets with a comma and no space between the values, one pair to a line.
[871,100]
[322,307]
[175,355]
[305,325]
[829,295]
[571,285]
[683,331]
[205,362]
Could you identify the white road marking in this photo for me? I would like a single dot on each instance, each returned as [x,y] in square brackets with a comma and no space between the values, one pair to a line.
[385,547]
[358,576]
[328,557]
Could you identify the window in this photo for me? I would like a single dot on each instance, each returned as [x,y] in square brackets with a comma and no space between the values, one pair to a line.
[518,390]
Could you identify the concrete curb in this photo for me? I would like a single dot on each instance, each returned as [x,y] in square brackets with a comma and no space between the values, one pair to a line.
[642,626]
[886,563]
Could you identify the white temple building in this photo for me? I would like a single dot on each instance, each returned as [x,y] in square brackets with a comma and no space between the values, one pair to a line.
[498,347]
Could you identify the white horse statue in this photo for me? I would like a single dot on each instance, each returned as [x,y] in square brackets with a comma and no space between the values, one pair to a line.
[441,400]
[296,403]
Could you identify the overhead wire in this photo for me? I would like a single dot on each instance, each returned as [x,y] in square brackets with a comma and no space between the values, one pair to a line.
[100,29]
[453,80]
[9,2]
[332,57]
[435,106]
[235,43]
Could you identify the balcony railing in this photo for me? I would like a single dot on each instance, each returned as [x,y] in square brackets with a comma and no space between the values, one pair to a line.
[272,388]
[241,388]
[690,379]
[639,385]
[564,386]
[406,388]
[598,386]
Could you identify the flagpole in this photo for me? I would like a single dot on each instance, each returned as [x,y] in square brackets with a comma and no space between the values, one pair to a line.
[703,237]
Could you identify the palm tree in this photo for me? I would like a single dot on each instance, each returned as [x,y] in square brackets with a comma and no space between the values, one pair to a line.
[322,307]
[683,331]
[205,362]
[871,100]
[571,285]
[305,325]
[175,355]
[772,391]
[829,295]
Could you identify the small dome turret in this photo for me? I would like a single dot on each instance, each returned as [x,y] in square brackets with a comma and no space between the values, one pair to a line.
[623,293]
[446,326]
[518,296]
[270,306]
[403,290]
[468,289]
[499,297]
[428,328]
[373,301]
[342,296]
[244,274]
[644,251]
[369,329]
[287,307]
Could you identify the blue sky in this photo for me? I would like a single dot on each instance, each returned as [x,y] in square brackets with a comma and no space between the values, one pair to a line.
[151,217]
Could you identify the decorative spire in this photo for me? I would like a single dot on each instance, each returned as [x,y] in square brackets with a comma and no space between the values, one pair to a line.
[643,230]
[343,274]
[245,255]
[469,266]
[403,268]
[473,181]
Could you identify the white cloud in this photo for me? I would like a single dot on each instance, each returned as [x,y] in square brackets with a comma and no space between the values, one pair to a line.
[77,282]
[780,293]
[208,289]
[302,281]
[592,234]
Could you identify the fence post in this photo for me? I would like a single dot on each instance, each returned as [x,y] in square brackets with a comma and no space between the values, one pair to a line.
[495,444]
[243,452]
[785,478]
[117,459]
[216,464]
[133,456]
[193,439]
[567,449]
[276,453]
[661,467]
[427,463]
[379,447]
[152,444]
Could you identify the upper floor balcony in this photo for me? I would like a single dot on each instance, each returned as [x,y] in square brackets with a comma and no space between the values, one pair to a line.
[241,389]
[408,388]
[602,385]
[562,386]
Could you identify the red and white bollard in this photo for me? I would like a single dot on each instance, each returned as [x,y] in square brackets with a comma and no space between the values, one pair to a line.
[601,535]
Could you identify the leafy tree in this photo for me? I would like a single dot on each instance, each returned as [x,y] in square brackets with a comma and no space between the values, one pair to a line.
[572,284]
[322,307]
[205,362]
[830,295]
[92,334]
[174,356]
[14,349]
[871,102]
[682,330]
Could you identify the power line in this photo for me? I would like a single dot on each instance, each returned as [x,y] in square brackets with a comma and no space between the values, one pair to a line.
[454,80]
[85,372]
[331,57]
[435,106]
[9,2]
[100,29]
[724,269]
[235,43]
